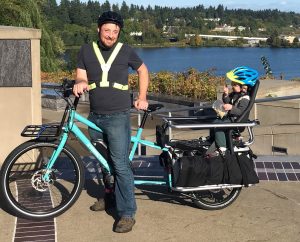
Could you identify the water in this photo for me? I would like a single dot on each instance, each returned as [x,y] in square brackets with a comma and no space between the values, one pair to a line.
[282,61]
[285,61]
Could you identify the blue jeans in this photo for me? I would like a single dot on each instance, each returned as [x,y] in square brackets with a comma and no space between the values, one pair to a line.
[116,129]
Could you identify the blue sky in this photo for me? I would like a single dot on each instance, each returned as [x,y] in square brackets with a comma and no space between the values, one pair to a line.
[282,5]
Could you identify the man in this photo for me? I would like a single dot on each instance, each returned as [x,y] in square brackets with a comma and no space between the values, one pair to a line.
[102,70]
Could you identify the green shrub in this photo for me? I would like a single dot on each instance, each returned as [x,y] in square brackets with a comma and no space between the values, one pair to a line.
[190,84]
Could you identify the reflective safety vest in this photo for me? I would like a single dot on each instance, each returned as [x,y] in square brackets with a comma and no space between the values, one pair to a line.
[105,67]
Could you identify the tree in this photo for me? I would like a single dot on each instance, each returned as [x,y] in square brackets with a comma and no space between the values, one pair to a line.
[63,11]
[295,42]
[28,14]
[220,11]
[195,40]
[94,10]
[124,10]
[79,14]
[276,43]
[105,6]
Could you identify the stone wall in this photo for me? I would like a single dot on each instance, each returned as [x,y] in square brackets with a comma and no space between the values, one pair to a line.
[20,85]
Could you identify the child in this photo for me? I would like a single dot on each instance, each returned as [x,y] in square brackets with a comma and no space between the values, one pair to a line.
[235,102]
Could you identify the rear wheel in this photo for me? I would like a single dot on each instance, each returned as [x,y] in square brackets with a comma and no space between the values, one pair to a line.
[23,188]
[215,199]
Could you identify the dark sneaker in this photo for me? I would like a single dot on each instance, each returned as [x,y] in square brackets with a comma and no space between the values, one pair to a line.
[98,206]
[105,203]
[124,225]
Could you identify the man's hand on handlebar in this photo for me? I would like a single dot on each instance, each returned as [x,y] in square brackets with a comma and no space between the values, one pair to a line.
[141,104]
[80,87]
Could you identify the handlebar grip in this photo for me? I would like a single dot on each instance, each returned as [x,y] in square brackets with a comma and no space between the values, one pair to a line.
[67,87]
[68,83]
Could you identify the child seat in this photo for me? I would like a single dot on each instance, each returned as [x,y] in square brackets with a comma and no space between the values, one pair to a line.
[235,167]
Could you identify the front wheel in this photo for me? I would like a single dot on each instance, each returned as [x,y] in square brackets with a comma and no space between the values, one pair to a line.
[215,199]
[23,187]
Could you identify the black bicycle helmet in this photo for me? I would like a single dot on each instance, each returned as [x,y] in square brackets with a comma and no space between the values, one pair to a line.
[110,17]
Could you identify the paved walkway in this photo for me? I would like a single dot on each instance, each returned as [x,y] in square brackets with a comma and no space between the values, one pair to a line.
[269,211]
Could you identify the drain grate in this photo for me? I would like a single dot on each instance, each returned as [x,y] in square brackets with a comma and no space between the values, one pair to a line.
[28,230]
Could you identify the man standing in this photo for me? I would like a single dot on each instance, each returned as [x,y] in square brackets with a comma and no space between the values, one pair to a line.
[102,70]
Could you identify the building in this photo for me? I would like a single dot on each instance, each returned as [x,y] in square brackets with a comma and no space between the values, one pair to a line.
[288,38]
[250,40]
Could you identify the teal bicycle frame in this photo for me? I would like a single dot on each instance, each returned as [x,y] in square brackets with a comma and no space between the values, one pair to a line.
[71,126]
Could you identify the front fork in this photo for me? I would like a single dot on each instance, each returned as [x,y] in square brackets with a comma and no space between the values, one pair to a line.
[54,156]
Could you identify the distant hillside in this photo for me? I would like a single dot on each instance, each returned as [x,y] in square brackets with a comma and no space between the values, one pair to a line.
[72,23]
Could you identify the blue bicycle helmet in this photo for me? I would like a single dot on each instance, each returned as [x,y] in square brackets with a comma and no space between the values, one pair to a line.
[243,75]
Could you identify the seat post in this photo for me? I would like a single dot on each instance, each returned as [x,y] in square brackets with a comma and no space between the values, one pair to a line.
[144,119]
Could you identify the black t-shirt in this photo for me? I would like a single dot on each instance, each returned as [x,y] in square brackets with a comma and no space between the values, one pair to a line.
[106,100]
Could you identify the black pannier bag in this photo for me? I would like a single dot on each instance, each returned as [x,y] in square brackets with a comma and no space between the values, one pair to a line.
[195,170]
[247,168]
[215,170]
[190,171]
[232,170]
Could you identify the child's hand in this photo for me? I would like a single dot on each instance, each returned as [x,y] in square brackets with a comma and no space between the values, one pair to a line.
[226,90]
[227,107]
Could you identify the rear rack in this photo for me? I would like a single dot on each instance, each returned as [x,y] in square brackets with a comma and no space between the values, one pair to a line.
[46,130]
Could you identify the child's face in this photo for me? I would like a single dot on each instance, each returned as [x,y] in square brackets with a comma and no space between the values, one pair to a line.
[236,87]
[244,88]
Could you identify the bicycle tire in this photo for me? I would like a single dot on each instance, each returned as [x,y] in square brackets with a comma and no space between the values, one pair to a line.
[24,193]
[215,199]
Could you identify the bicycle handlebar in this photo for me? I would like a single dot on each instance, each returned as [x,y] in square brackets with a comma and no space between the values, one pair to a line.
[67,87]
[67,90]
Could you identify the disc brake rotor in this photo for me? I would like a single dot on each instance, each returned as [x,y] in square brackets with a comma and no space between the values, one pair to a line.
[38,183]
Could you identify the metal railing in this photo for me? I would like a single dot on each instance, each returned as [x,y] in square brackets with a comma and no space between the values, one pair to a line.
[272,99]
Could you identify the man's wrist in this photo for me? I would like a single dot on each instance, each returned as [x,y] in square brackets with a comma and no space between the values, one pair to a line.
[142,97]
[80,81]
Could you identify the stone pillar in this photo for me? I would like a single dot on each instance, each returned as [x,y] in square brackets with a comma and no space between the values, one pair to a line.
[20,84]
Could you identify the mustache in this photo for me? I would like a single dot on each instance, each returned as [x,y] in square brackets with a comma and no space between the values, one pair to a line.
[109,38]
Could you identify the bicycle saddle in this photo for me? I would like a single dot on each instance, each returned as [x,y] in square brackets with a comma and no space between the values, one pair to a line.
[154,107]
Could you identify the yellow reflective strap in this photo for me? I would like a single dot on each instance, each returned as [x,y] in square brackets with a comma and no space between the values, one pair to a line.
[120,86]
[104,81]
[114,53]
[98,53]
[106,66]
[92,86]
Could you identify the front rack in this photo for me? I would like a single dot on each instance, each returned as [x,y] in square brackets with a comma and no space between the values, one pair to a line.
[46,130]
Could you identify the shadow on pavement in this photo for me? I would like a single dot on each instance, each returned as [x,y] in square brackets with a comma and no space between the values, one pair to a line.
[161,194]
[93,189]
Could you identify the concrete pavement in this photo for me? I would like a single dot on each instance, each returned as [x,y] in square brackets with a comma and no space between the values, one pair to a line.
[269,211]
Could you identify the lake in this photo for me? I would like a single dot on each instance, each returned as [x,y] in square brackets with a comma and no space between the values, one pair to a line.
[222,59]
[286,61]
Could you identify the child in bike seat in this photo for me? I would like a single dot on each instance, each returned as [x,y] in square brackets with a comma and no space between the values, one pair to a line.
[235,103]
